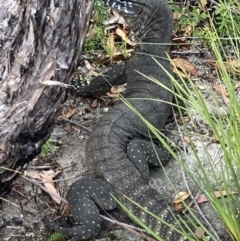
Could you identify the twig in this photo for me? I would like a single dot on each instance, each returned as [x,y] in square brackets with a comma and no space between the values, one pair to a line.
[5,200]
[40,167]
[190,37]
[76,124]
[61,179]
[192,202]
[193,198]
[114,221]
[185,52]
[69,165]
[45,189]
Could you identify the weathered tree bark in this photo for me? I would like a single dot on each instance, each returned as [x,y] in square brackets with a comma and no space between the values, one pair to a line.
[40,40]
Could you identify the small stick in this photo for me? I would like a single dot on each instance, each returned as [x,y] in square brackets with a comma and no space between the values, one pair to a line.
[60,179]
[76,124]
[40,167]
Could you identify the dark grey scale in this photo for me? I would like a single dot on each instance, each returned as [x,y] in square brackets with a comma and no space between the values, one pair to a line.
[124,6]
[145,153]
[86,197]
[102,83]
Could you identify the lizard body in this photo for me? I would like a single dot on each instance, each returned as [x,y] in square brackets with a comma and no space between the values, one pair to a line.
[119,148]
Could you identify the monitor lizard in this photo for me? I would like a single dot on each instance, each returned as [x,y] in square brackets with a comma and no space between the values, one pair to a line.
[119,149]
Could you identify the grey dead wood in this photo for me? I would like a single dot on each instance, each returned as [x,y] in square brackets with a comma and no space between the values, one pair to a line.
[39,41]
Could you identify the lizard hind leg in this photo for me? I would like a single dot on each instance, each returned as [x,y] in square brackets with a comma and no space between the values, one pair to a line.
[86,196]
[144,154]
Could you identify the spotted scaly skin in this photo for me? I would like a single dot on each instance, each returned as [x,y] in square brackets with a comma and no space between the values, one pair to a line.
[119,149]
[124,6]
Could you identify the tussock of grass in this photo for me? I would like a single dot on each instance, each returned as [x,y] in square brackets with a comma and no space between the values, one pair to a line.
[56,236]
[226,132]
[46,148]
[224,176]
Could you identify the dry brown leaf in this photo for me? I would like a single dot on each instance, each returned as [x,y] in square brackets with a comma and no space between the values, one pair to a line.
[109,28]
[19,192]
[181,41]
[110,44]
[189,30]
[111,21]
[54,83]
[118,56]
[176,15]
[184,65]
[121,20]
[226,100]
[178,200]
[203,5]
[115,13]
[112,95]
[8,238]
[213,63]
[87,65]
[202,198]
[186,139]
[91,33]
[36,174]
[181,196]
[93,73]
[199,232]
[115,91]
[116,18]
[178,207]
[124,37]
[49,185]
[180,73]
[51,173]
[223,92]
[237,85]
[94,103]
[70,113]
[232,66]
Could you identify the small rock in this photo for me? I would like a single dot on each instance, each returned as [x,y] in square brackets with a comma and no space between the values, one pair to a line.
[2,222]
[16,221]
[106,109]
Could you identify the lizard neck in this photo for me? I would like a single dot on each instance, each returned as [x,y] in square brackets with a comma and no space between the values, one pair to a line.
[153,19]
